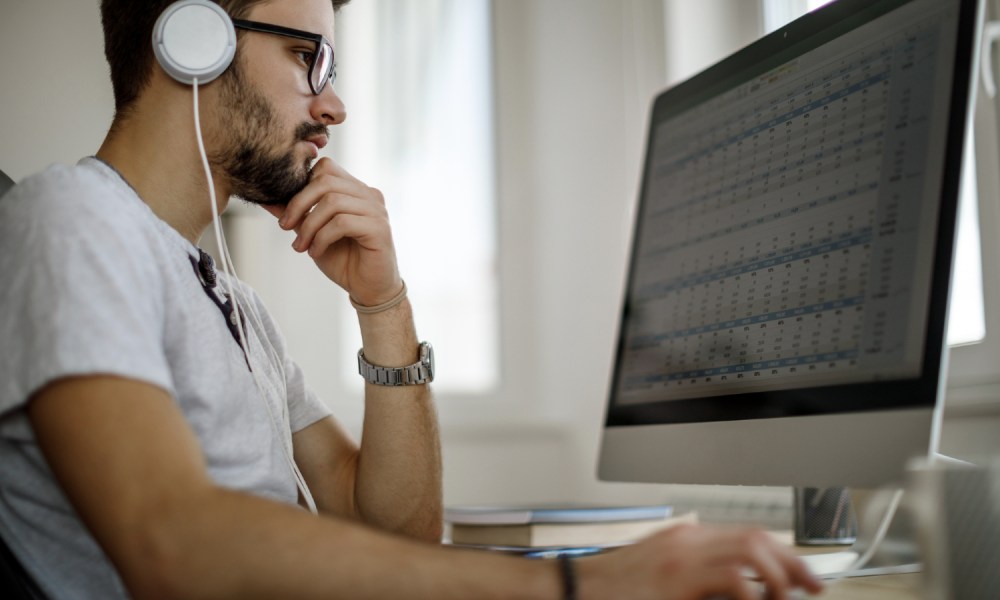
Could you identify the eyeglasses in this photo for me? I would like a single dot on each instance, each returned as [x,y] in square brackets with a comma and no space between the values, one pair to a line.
[322,67]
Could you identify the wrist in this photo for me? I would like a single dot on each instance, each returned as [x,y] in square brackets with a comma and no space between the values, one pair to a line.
[389,338]
[381,307]
[418,373]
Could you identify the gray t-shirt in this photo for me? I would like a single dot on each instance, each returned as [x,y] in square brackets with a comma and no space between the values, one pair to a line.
[94,283]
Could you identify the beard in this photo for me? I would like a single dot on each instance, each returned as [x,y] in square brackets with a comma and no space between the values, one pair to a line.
[257,170]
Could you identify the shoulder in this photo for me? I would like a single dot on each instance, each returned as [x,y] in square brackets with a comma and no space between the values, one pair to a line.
[66,196]
[72,212]
[83,287]
[70,234]
[57,182]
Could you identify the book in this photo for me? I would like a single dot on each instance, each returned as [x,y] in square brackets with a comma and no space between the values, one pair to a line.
[541,534]
[518,515]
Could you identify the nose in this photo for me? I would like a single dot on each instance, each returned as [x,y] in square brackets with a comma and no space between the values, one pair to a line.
[328,108]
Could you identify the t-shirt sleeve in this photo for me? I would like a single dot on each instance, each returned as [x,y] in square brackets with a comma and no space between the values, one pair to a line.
[80,294]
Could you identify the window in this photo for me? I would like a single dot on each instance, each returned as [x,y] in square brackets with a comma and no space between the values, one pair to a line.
[416,79]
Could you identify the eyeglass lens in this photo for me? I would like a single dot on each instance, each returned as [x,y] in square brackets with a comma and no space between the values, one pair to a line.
[322,68]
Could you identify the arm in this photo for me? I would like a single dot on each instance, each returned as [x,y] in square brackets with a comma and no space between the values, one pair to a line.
[393,480]
[130,465]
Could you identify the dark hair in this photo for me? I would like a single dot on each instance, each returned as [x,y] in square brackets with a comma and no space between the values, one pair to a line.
[128,31]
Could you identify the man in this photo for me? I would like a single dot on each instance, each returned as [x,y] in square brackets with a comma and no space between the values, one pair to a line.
[143,436]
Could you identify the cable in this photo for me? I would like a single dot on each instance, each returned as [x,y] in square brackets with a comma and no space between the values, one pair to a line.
[231,288]
[880,534]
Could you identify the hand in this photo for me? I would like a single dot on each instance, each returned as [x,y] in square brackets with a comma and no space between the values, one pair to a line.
[343,225]
[689,561]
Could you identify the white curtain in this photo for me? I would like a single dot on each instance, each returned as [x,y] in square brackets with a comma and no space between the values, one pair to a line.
[417,81]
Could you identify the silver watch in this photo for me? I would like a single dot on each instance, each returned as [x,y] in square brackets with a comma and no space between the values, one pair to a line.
[418,373]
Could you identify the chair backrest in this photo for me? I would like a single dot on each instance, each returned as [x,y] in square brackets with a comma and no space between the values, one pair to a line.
[5,183]
[15,582]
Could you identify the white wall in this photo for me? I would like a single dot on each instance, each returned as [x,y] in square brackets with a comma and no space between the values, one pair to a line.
[55,93]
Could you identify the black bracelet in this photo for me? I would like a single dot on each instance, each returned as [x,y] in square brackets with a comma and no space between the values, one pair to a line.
[567,573]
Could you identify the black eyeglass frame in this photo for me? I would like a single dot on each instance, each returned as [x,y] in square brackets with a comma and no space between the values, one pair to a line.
[320,41]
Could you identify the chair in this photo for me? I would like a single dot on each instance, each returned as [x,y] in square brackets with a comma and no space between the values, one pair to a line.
[15,582]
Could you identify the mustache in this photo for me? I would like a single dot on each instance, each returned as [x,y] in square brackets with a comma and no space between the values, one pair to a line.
[308,130]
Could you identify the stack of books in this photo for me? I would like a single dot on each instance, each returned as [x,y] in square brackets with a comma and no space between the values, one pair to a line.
[513,528]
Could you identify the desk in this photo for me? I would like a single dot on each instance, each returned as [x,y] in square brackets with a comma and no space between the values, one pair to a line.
[875,587]
[882,587]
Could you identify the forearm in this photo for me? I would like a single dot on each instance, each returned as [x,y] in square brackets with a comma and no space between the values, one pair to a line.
[231,545]
[398,479]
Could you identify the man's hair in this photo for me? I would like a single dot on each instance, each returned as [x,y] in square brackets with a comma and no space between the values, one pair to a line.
[128,47]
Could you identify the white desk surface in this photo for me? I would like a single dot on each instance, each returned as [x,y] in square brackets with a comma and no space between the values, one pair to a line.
[883,587]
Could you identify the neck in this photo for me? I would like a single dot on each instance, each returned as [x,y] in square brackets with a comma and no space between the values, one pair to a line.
[156,151]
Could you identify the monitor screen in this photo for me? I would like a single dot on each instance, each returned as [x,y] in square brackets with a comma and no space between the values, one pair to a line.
[792,249]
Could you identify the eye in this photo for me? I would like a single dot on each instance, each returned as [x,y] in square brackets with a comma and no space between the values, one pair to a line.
[304,56]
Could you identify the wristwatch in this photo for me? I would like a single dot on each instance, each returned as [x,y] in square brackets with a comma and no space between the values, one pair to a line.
[418,373]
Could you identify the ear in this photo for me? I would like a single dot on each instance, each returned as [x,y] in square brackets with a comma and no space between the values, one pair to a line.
[194,39]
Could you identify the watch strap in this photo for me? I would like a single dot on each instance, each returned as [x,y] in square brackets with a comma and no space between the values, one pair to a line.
[418,373]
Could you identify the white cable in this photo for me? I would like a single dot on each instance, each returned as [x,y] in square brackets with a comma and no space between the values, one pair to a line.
[257,322]
[231,289]
[276,363]
[880,534]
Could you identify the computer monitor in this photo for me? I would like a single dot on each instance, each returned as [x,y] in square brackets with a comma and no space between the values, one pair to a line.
[784,314]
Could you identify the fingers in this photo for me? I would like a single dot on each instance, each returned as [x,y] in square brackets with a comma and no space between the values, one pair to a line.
[325,187]
[727,562]
[723,582]
[364,232]
[327,165]
[801,575]
[344,226]
[775,564]
[332,206]
[758,551]
[778,567]
[337,216]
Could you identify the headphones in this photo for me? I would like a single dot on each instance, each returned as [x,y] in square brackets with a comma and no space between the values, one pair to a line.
[194,39]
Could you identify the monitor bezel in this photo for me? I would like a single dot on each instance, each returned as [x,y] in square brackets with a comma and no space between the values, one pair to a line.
[810,31]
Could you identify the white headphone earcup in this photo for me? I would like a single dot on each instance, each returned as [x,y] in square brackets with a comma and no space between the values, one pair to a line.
[194,39]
